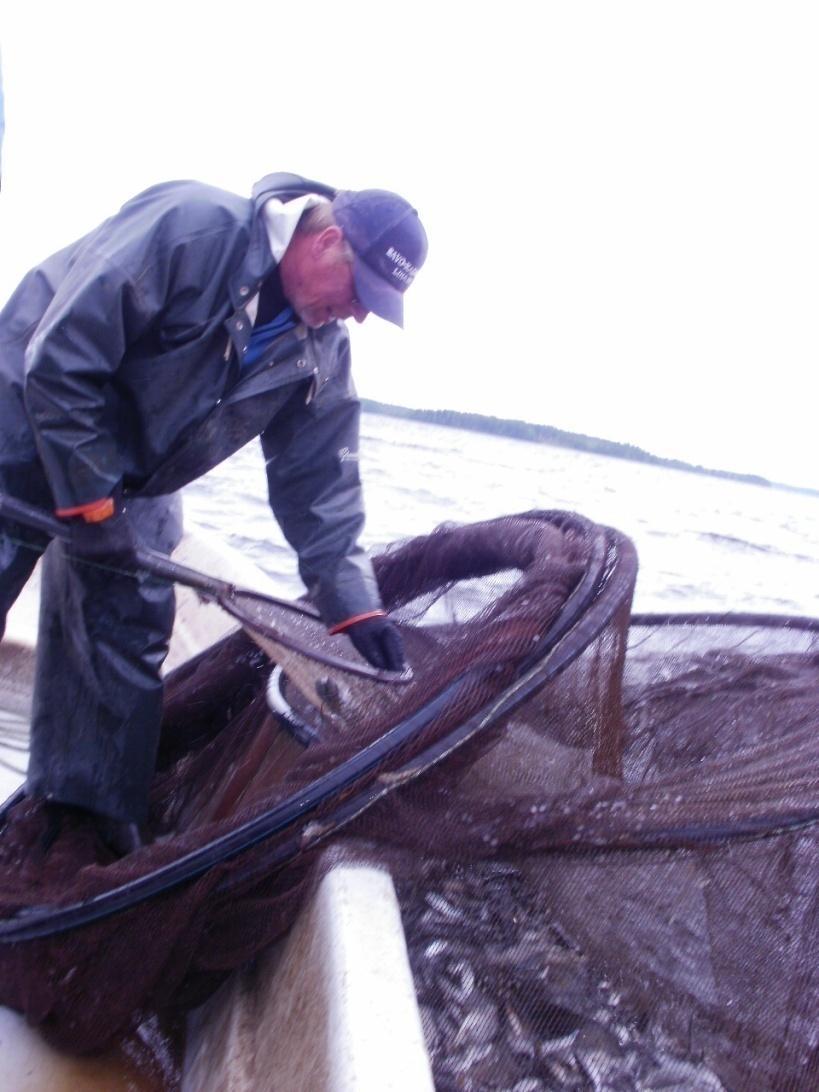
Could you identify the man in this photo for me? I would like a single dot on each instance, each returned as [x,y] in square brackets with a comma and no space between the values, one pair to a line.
[131,363]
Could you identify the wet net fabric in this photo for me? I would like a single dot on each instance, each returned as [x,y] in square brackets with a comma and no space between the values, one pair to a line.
[688,956]
[602,827]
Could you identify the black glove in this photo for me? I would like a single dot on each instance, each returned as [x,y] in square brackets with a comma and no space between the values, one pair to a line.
[109,542]
[379,642]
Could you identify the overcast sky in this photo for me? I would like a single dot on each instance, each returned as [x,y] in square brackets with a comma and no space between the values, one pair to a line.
[621,195]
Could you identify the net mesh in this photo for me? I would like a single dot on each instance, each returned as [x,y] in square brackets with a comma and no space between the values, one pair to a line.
[602,827]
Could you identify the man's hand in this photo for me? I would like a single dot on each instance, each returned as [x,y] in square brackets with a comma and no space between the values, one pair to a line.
[379,642]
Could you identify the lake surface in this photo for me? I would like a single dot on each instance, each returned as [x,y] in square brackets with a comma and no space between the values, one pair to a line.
[703,543]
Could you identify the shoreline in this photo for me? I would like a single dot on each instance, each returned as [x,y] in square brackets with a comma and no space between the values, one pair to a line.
[515,429]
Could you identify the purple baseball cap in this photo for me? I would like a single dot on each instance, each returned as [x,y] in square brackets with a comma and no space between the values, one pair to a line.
[389,246]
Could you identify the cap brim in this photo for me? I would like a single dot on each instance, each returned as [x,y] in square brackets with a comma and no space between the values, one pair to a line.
[376,295]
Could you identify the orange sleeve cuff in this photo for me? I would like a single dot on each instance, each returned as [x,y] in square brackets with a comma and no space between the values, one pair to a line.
[341,626]
[93,512]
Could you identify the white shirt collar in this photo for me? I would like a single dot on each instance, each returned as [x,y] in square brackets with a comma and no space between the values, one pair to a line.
[280,219]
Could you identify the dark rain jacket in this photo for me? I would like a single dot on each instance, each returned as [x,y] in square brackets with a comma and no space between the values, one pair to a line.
[120,366]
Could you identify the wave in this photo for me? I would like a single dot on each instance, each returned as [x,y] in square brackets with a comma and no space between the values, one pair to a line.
[731,541]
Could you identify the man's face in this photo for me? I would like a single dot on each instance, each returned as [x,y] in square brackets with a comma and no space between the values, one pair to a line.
[317,279]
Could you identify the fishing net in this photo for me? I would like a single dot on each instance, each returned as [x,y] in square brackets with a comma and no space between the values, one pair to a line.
[602,827]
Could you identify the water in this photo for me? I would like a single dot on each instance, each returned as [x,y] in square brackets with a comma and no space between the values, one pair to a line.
[703,543]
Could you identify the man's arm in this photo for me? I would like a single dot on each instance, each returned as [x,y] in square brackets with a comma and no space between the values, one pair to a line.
[138,270]
[70,361]
[311,453]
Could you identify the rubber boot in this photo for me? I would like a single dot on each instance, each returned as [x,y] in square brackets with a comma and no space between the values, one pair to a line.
[120,837]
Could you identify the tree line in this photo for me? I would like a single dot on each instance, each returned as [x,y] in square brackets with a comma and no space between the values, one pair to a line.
[547,434]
